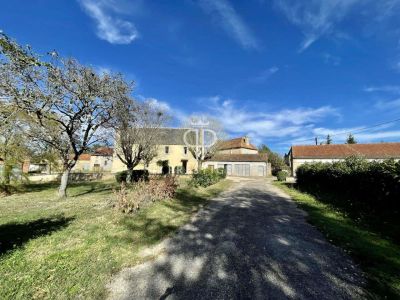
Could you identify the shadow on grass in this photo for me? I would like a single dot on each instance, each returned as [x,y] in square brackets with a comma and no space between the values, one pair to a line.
[377,256]
[15,235]
[152,229]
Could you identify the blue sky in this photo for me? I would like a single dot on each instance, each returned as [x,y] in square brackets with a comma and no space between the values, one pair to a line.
[280,71]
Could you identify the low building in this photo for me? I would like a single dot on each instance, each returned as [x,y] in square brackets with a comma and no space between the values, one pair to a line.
[299,155]
[239,158]
[101,160]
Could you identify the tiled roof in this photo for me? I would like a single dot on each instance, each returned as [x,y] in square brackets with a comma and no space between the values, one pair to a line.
[239,157]
[104,151]
[379,150]
[235,144]
[84,156]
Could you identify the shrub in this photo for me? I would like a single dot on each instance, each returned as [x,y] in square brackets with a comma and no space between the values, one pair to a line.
[206,177]
[130,198]
[221,173]
[281,175]
[137,175]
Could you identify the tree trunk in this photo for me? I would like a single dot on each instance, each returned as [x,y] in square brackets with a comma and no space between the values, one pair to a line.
[7,173]
[62,191]
[199,165]
[129,175]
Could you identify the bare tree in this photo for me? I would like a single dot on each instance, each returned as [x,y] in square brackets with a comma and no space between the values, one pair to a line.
[211,138]
[67,104]
[137,127]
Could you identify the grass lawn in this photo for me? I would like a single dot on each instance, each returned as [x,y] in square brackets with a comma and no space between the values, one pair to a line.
[378,257]
[69,248]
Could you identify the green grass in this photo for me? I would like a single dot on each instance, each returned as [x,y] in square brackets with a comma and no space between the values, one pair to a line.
[69,248]
[378,257]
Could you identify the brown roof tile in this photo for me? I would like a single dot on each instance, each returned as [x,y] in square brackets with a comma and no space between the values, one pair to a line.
[380,150]
[235,144]
[84,156]
[104,151]
[239,157]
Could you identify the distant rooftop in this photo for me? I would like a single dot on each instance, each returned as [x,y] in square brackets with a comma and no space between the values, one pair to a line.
[379,150]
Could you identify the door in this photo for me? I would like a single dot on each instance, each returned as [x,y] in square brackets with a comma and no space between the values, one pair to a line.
[261,171]
[229,170]
[184,166]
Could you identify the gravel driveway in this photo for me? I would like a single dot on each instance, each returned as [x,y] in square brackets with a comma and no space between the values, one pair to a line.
[250,243]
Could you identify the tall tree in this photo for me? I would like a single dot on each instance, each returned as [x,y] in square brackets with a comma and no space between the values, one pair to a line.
[328,139]
[276,160]
[351,139]
[136,126]
[67,104]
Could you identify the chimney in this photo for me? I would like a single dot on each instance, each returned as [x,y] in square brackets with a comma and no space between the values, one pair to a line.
[246,140]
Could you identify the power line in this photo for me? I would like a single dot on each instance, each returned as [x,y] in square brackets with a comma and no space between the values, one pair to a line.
[352,132]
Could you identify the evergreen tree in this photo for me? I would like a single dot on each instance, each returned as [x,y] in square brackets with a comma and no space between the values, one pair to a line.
[328,140]
[351,139]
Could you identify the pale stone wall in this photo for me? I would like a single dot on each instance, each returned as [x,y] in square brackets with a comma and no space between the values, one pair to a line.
[238,151]
[174,156]
[257,169]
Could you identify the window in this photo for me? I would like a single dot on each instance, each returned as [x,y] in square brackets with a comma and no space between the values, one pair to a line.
[105,163]
[185,149]
[166,149]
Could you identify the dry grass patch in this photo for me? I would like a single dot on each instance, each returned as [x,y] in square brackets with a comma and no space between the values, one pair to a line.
[69,248]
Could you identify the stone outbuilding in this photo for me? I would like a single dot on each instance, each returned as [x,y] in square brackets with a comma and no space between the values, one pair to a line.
[299,155]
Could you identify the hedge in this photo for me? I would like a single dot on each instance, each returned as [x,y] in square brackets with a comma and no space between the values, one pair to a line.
[137,175]
[361,188]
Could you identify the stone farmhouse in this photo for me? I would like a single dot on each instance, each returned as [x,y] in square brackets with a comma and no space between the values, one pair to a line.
[237,156]
[299,155]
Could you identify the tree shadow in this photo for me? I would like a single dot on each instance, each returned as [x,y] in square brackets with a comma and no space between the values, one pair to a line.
[251,244]
[14,235]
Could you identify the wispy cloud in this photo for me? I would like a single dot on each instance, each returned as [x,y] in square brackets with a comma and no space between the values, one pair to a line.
[231,22]
[395,89]
[265,75]
[281,124]
[388,105]
[330,59]
[110,27]
[316,18]
[175,113]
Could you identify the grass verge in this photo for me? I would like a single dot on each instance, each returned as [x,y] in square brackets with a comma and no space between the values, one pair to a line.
[69,248]
[378,257]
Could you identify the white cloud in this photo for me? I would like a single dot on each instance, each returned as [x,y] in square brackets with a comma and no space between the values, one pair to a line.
[229,19]
[375,136]
[318,18]
[175,113]
[265,75]
[315,17]
[330,59]
[161,105]
[110,28]
[388,105]
[285,123]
